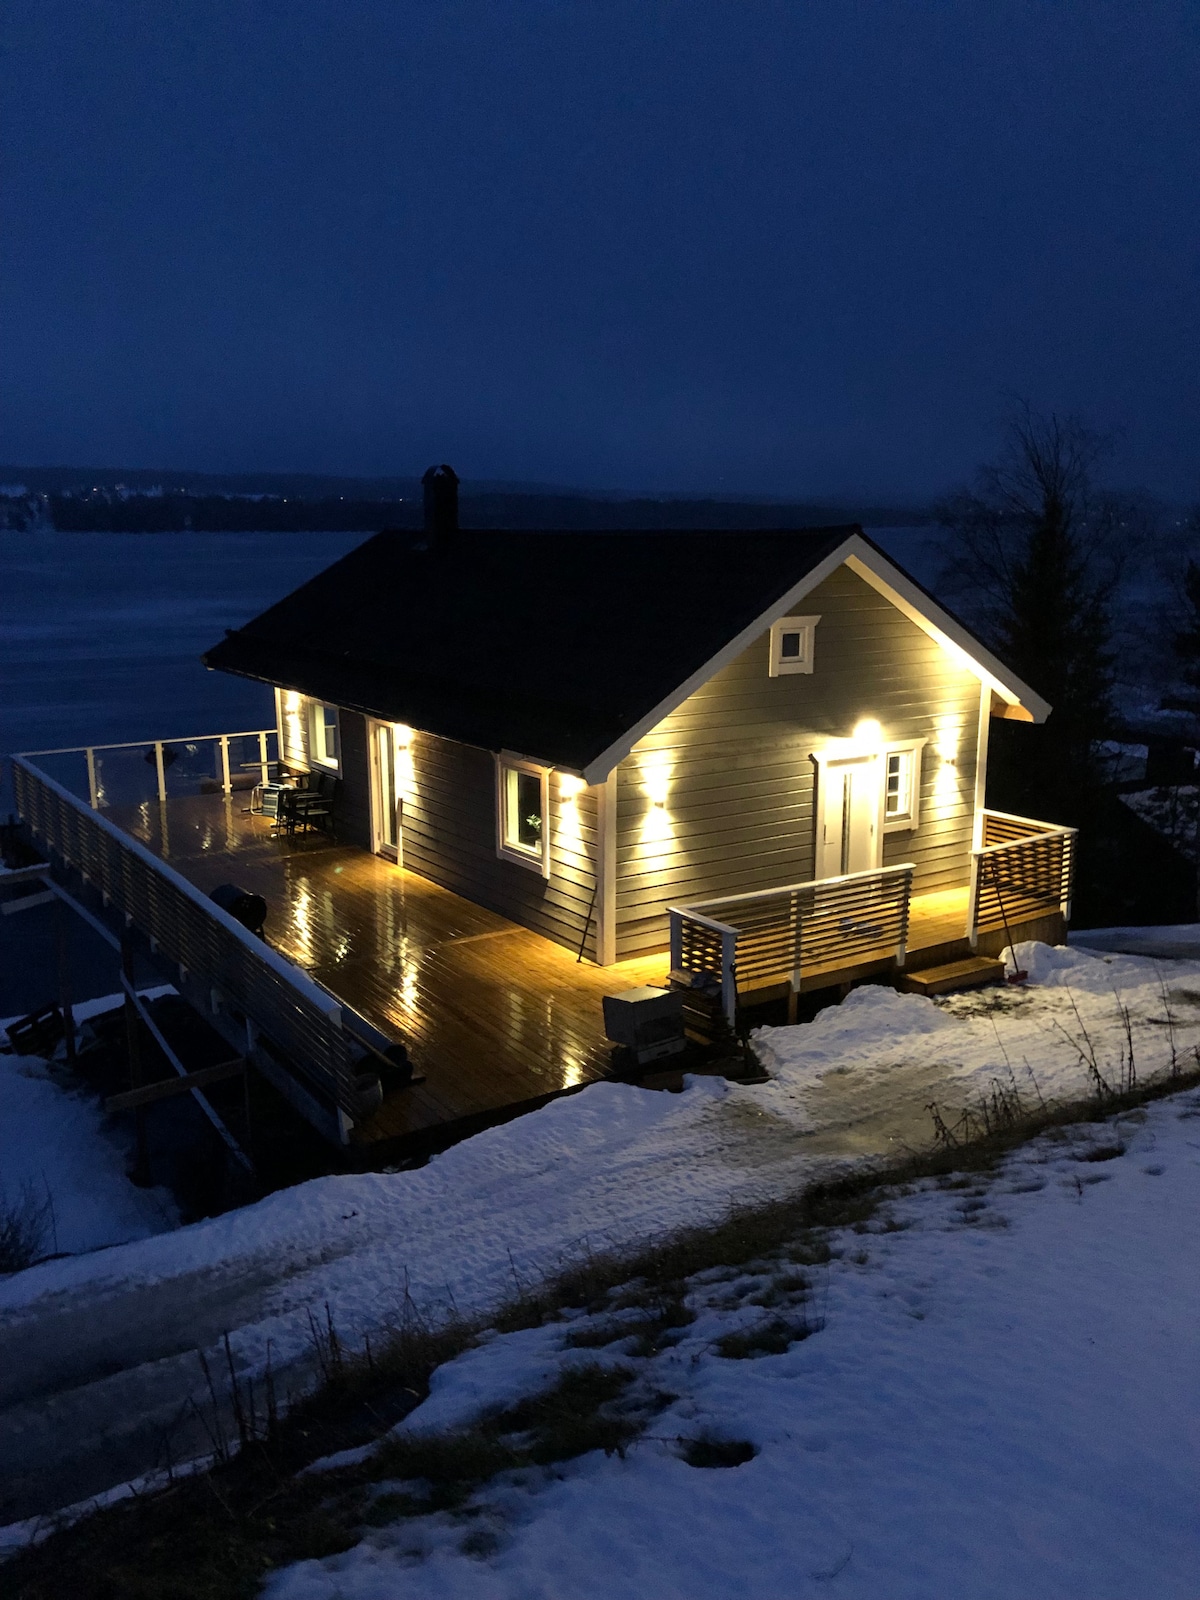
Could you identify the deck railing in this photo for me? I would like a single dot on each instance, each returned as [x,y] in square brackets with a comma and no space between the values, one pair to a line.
[1024,870]
[218,959]
[162,769]
[794,934]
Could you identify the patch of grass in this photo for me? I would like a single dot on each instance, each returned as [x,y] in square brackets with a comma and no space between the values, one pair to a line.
[1101,1152]
[27,1227]
[651,1332]
[707,1451]
[773,1338]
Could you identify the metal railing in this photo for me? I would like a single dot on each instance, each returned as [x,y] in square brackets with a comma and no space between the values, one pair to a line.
[217,957]
[162,769]
[795,934]
[1024,870]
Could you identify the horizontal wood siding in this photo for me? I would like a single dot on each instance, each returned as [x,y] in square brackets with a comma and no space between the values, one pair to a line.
[449,834]
[736,759]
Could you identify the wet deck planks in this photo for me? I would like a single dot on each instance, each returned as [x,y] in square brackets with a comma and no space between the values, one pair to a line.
[492,1014]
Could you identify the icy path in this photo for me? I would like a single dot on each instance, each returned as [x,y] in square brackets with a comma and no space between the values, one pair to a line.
[80,1340]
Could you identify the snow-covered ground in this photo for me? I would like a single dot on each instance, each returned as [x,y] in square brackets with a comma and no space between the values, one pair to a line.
[610,1168]
[616,1165]
[1002,1403]
[63,1157]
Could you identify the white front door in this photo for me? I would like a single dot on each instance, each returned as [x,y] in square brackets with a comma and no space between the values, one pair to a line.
[848,796]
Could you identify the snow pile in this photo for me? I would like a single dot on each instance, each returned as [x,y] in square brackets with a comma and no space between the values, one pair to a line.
[58,1148]
[1000,1405]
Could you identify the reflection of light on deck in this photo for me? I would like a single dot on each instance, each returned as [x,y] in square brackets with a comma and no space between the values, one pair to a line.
[302,920]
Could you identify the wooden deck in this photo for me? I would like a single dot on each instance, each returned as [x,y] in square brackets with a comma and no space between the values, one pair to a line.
[495,1016]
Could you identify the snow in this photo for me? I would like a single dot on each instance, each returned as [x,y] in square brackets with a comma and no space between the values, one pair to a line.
[615,1165]
[1001,1405]
[56,1142]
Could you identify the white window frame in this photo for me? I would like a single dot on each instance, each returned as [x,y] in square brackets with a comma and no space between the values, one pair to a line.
[806,627]
[316,735]
[911,817]
[508,849]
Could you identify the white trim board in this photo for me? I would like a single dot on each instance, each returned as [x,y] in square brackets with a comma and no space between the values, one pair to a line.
[886,579]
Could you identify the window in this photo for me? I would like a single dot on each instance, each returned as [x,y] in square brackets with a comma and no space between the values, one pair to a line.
[792,645]
[326,748]
[902,785]
[523,813]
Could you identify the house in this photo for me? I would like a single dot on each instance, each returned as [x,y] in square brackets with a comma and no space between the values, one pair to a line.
[558,767]
[582,731]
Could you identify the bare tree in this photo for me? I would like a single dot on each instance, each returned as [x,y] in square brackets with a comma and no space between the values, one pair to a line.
[1034,552]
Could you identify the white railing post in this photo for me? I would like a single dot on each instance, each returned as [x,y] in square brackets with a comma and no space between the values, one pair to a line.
[676,918]
[93,791]
[262,756]
[161,770]
[729,975]
[226,785]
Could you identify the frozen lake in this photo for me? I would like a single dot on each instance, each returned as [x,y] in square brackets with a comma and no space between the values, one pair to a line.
[101,633]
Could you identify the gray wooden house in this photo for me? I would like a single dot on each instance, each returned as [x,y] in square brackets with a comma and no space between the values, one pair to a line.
[763,751]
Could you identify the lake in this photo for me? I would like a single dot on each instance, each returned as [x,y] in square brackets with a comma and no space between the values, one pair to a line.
[101,633]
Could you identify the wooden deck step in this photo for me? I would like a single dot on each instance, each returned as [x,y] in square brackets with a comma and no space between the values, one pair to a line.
[970,974]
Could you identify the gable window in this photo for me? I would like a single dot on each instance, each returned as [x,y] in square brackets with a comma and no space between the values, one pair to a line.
[326,746]
[792,641]
[902,785]
[523,813]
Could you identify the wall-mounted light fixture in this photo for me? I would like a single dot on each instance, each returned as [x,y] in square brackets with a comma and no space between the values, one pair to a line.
[868,734]
[657,782]
[570,787]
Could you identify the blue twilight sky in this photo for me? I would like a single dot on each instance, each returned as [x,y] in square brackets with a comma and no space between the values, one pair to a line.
[797,248]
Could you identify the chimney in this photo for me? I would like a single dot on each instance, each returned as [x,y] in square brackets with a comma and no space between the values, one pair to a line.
[441,500]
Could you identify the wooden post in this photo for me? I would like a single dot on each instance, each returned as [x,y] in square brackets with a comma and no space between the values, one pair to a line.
[93,791]
[61,939]
[226,785]
[161,770]
[676,917]
[973,900]
[133,1037]
[729,975]
[262,756]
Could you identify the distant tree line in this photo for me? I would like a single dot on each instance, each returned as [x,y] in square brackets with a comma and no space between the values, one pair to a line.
[110,510]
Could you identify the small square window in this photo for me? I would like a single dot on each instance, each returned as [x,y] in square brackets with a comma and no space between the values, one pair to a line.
[523,813]
[792,645]
[902,785]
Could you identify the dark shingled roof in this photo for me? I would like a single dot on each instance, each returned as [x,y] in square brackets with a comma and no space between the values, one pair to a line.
[549,644]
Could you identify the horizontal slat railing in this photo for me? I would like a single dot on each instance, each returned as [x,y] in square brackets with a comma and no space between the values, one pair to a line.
[242,973]
[797,932]
[1025,870]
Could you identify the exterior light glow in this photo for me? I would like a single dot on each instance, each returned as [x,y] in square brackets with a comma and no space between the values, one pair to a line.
[868,732]
[402,734]
[570,787]
[657,781]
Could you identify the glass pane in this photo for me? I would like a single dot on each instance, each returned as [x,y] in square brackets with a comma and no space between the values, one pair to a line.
[789,646]
[329,731]
[523,805]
